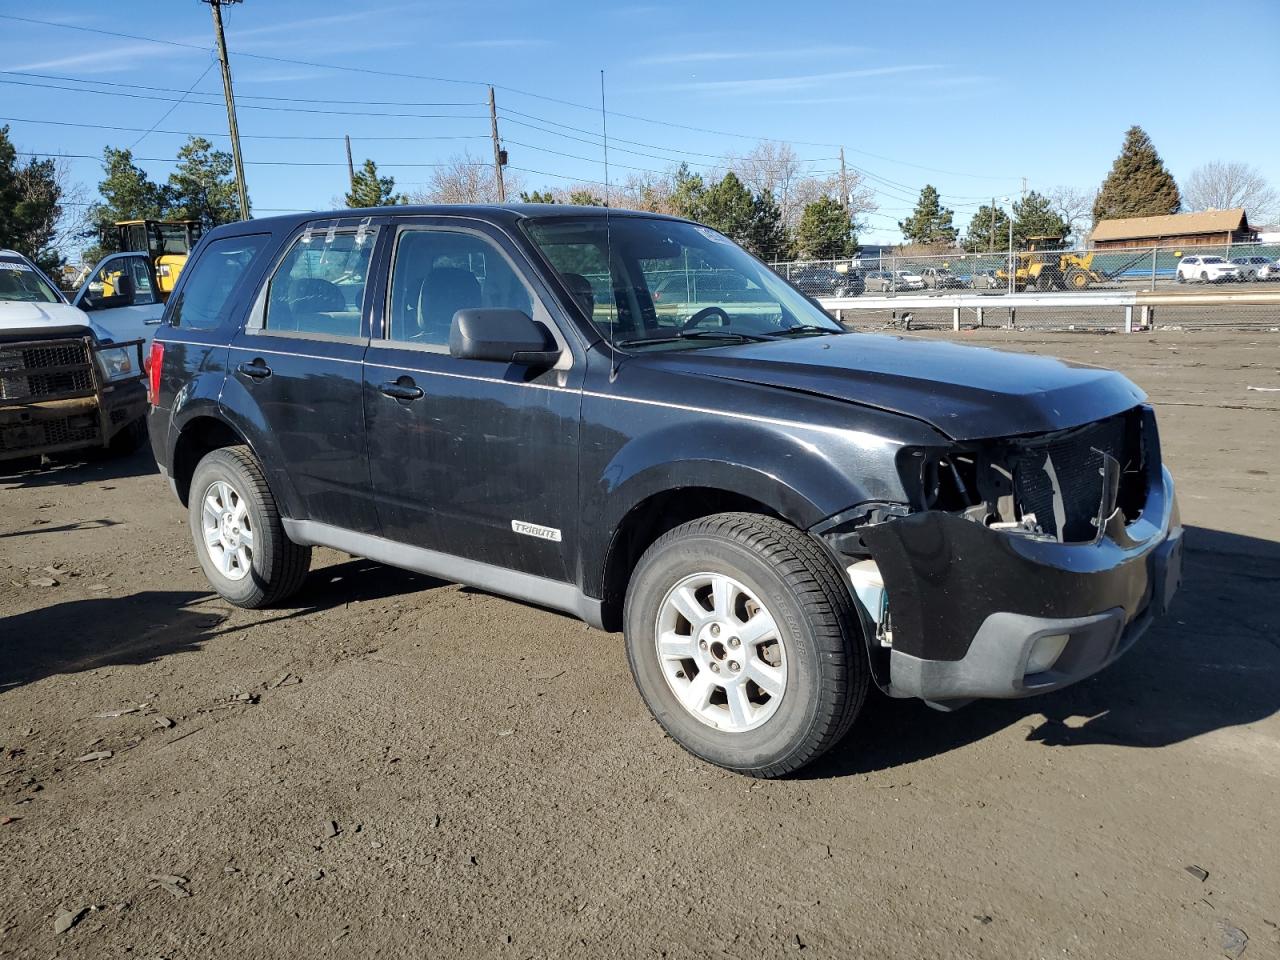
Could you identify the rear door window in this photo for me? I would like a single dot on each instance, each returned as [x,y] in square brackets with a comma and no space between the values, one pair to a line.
[218,274]
[318,289]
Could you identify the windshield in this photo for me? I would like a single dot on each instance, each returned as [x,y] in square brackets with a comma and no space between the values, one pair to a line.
[20,281]
[672,284]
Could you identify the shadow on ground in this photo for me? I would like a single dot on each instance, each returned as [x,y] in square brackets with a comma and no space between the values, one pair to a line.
[1212,663]
[75,470]
[104,631]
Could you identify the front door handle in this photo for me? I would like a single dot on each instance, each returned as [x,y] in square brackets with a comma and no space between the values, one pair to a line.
[402,389]
[258,370]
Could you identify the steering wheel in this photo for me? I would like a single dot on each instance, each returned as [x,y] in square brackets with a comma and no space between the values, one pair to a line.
[696,320]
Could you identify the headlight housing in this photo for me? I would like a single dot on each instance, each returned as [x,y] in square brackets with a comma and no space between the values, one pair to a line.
[118,363]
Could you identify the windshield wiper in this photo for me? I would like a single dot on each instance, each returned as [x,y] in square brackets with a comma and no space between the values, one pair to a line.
[732,335]
[805,328]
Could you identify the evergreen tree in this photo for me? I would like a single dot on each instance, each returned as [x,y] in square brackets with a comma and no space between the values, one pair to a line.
[728,206]
[930,222]
[535,196]
[988,230]
[825,232]
[370,190]
[768,237]
[1138,185]
[202,187]
[127,193]
[30,196]
[687,193]
[585,198]
[1034,216]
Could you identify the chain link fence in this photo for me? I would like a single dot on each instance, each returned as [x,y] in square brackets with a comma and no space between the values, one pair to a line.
[1045,270]
[1081,318]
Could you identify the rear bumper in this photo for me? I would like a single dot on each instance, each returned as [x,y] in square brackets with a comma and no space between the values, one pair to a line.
[969,605]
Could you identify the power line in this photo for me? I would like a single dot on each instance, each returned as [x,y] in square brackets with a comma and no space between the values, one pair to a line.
[246,96]
[152,129]
[243,136]
[516,90]
[257,163]
[249,106]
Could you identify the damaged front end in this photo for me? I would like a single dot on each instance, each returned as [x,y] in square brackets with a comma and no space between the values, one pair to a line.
[1017,565]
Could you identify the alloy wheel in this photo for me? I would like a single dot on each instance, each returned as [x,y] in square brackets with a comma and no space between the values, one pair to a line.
[228,530]
[721,652]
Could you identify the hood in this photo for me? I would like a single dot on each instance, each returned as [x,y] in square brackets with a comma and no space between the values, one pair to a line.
[22,318]
[967,393]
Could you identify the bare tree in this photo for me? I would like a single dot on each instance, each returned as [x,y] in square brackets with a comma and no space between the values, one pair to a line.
[770,167]
[861,199]
[1225,185]
[1075,206]
[465,179]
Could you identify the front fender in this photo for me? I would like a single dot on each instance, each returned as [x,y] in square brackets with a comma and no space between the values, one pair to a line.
[801,478]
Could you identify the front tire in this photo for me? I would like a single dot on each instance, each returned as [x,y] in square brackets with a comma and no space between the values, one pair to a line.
[744,643]
[234,521]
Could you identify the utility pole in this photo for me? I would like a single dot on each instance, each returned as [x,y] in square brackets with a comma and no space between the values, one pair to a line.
[1024,188]
[991,239]
[233,127]
[499,155]
[844,186]
[351,167]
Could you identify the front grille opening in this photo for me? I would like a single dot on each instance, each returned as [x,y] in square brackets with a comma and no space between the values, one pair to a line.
[1061,480]
[33,372]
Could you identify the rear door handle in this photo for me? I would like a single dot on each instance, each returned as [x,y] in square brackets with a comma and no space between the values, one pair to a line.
[257,370]
[402,389]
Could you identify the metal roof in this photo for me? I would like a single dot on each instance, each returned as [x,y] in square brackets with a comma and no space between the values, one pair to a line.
[1173,225]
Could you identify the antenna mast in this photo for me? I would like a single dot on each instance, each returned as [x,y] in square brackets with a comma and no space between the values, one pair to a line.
[608,238]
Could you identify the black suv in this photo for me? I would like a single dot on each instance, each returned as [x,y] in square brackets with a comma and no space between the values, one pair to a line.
[777,513]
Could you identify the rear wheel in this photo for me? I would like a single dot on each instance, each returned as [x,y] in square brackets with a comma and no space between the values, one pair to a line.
[1204,276]
[239,539]
[744,644]
[1077,279]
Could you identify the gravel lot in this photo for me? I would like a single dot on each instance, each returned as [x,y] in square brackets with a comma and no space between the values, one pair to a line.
[402,767]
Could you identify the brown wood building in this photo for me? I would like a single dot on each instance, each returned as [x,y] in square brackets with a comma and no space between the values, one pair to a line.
[1190,229]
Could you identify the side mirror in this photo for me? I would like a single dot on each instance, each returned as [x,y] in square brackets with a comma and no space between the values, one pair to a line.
[503,336]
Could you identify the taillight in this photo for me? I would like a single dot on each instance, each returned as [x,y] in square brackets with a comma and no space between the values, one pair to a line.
[154,362]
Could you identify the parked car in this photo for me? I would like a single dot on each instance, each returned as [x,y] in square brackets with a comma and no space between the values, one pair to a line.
[906,280]
[1257,268]
[1207,270]
[777,514]
[987,280]
[66,385]
[887,280]
[940,278]
[826,282]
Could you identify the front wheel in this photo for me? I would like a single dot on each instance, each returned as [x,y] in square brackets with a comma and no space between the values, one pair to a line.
[743,641]
[242,546]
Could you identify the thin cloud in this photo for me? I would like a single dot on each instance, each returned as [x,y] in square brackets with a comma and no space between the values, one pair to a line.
[720,56]
[111,60]
[796,82]
[499,44]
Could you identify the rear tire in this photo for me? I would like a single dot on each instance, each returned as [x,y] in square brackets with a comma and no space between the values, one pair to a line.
[234,521]
[742,573]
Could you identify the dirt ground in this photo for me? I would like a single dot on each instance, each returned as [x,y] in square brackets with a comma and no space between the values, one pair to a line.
[400,767]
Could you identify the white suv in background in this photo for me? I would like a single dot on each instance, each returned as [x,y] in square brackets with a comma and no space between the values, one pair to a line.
[1207,270]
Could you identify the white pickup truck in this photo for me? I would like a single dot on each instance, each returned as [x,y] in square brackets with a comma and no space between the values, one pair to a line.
[67,383]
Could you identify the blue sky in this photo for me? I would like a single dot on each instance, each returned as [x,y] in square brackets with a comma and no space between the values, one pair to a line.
[969,99]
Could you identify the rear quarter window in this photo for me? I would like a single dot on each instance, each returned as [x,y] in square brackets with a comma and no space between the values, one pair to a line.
[215,279]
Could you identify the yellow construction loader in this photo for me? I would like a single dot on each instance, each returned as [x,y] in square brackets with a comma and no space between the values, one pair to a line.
[1044,265]
[166,243]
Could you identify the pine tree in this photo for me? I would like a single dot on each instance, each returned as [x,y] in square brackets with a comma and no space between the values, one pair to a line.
[535,196]
[1139,185]
[825,232]
[202,187]
[1034,216]
[728,206]
[370,190]
[988,230]
[127,193]
[768,237]
[930,222]
[585,198]
[687,193]
[30,196]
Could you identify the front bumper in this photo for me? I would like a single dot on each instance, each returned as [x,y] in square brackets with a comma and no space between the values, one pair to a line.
[969,605]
